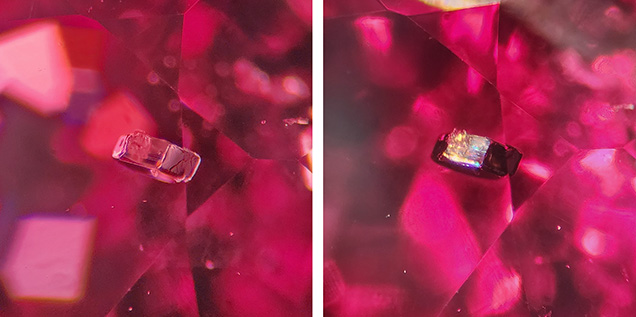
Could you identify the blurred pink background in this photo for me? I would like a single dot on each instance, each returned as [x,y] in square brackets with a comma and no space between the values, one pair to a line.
[407,237]
[83,235]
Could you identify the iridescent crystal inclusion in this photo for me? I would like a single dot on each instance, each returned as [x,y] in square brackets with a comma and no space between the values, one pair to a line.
[466,149]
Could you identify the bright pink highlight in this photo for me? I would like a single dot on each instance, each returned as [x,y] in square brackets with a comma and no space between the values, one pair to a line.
[295,86]
[601,163]
[515,47]
[471,24]
[593,242]
[49,258]
[434,225]
[474,81]
[537,170]
[118,115]
[200,27]
[250,78]
[376,32]
[598,161]
[498,288]
[35,67]
[506,293]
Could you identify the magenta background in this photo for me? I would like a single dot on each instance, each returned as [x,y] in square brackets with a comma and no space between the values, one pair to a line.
[248,209]
[405,236]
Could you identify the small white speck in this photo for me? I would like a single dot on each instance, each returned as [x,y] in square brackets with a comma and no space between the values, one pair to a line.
[231,234]
[148,292]
[112,207]
[559,228]
[129,308]
[238,273]
[387,216]
[567,266]
[459,310]
[404,271]
[144,201]
[263,121]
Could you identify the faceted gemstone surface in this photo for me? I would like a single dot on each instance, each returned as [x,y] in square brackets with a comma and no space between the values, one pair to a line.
[246,69]
[405,236]
[75,76]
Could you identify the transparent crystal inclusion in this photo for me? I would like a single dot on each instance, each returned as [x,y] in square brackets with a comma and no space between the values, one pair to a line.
[165,161]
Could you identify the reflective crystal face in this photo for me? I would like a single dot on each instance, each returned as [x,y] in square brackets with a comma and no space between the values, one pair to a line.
[466,149]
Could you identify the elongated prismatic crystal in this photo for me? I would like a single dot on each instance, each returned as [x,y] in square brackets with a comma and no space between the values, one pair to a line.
[163,160]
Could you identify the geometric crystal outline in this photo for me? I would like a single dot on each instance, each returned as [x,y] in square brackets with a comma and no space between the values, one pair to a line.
[462,32]
[411,8]
[496,242]
[129,32]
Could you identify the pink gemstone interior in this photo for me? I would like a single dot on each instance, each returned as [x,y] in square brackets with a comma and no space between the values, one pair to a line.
[425,240]
[73,83]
